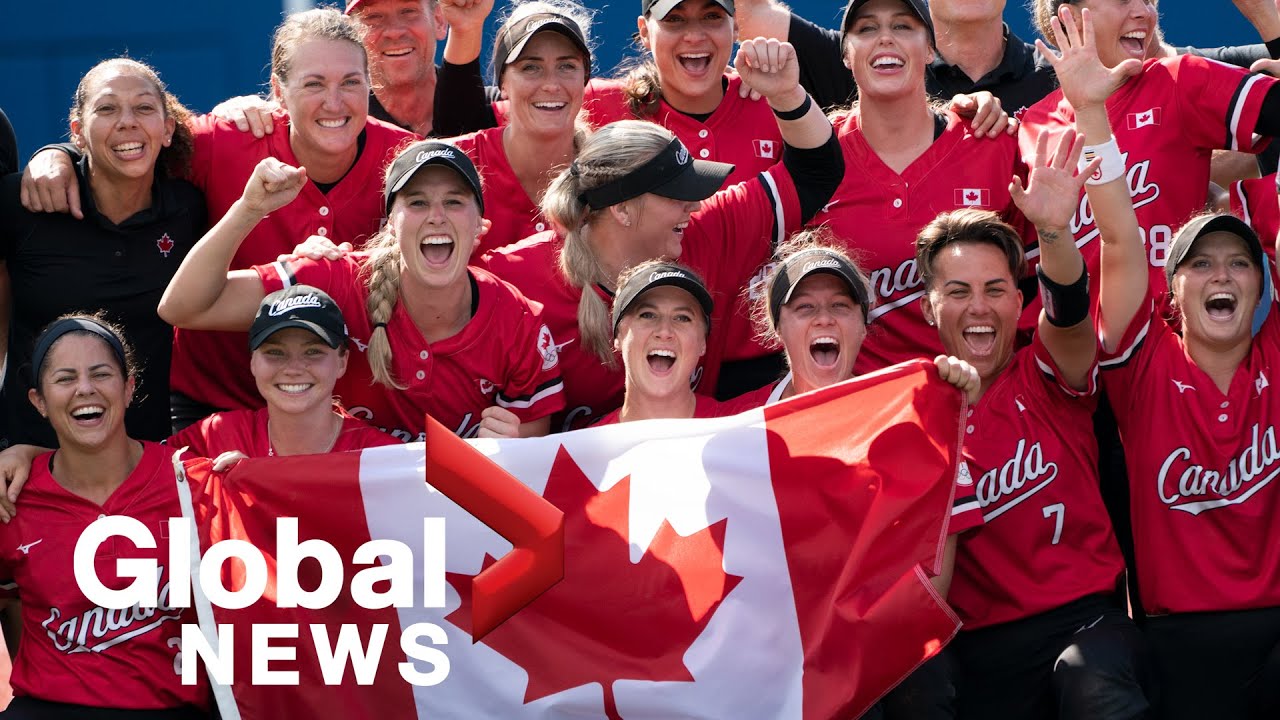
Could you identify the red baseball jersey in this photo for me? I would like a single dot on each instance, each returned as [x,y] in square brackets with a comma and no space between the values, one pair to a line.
[877,214]
[246,431]
[1167,121]
[1255,201]
[514,214]
[1031,458]
[504,356]
[703,407]
[213,367]
[965,513]
[739,131]
[1201,465]
[733,232]
[72,650]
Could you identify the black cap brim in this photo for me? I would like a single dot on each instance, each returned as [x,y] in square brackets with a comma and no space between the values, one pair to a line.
[256,340]
[679,280]
[554,25]
[917,6]
[700,180]
[659,8]
[1190,233]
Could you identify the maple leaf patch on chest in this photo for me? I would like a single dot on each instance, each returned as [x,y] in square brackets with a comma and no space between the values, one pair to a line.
[609,618]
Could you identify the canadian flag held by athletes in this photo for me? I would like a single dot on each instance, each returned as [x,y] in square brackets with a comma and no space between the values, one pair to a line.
[771,564]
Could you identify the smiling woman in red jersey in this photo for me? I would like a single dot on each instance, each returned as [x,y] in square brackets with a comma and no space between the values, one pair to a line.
[541,62]
[661,321]
[71,664]
[1169,117]
[906,162]
[1197,417]
[432,335]
[319,76]
[637,193]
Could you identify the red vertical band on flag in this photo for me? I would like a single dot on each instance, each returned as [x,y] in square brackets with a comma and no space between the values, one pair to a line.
[863,501]
[532,525]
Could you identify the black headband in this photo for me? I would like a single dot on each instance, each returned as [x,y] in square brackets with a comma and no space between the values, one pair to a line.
[64,326]
[668,164]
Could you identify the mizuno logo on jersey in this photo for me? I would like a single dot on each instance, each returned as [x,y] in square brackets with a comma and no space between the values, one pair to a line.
[972,197]
[98,629]
[24,549]
[1261,383]
[1000,489]
[1183,387]
[767,149]
[1192,488]
[1143,119]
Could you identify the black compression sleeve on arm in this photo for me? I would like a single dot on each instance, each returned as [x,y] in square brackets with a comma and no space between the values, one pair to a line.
[463,102]
[817,173]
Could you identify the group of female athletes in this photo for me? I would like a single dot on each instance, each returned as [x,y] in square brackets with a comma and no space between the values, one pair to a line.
[609,250]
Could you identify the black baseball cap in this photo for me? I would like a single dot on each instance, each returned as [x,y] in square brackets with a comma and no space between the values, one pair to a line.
[918,7]
[658,9]
[431,152]
[793,270]
[299,306]
[672,173]
[661,274]
[1203,225]
[514,36]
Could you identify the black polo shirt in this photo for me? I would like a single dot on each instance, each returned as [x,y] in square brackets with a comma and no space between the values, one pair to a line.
[1020,80]
[58,264]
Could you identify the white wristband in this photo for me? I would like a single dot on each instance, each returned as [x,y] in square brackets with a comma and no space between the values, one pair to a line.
[1112,167]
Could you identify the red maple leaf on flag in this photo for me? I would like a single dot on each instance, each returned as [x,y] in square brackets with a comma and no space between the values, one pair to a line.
[971,196]
[609,619]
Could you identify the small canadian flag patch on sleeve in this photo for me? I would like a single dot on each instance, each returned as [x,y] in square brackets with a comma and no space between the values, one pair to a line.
[1144,118]
[973,197]
[767,149]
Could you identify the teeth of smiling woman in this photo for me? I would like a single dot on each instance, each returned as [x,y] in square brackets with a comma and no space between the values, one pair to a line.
[332,123]
[294,388]
[887,62]
[87,411]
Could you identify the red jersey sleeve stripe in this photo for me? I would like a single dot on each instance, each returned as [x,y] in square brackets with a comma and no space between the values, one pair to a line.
[285,271]
[1239,101]
[1123,357]
[544,391]
[775,201]
[1052,373]
[1240,199]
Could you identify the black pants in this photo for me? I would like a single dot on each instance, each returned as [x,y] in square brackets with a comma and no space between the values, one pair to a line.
[929,693]
[25,708]
[1083,660]
[1220,665]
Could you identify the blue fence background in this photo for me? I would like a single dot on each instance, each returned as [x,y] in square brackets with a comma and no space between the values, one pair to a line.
[207,51]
